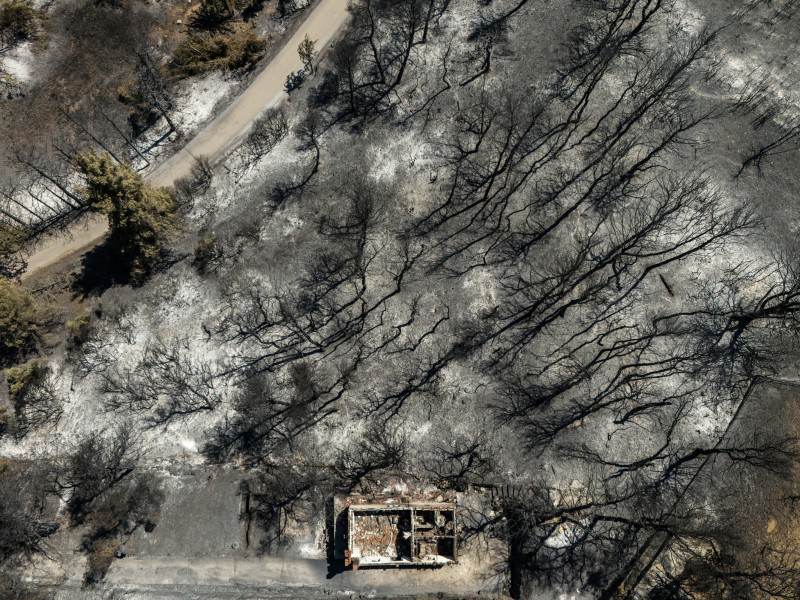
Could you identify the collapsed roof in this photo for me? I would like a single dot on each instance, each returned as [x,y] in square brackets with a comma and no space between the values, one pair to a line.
[392,533]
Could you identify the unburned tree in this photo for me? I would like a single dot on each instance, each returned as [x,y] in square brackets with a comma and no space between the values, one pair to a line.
[11,263]
[21,321]
[307,51]
[141,217]
[19,20]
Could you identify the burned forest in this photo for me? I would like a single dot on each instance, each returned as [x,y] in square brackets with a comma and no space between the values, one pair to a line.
[492,298]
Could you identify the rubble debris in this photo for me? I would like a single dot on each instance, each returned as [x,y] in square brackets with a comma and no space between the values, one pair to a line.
[397,532]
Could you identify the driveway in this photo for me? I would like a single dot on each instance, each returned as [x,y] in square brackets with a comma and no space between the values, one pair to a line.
[218,137]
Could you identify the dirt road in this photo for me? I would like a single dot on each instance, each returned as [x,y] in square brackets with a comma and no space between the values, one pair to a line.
[219,136]
[192,577]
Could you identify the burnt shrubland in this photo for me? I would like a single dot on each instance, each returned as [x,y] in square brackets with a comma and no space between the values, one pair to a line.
[478,255]
[556,256]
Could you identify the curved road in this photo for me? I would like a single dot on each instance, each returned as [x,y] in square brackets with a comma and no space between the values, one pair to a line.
[220,135]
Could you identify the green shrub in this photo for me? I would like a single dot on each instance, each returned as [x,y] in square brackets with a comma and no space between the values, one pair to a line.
[205,53]
[129,93]
[78,329]
[18,21]
[5,420]
[11,240]
[21,377]
[20,321]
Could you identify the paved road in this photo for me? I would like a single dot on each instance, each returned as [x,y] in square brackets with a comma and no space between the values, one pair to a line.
[218,137]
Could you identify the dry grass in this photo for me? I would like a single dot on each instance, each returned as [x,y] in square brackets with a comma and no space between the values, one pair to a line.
[101,556]
[235,50]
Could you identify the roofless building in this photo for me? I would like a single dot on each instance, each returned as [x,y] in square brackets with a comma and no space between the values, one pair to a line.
[395,533]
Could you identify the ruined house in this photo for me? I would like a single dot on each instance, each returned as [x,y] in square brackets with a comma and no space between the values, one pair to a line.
[396,533]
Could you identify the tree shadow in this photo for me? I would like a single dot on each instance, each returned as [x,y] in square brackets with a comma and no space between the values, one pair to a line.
[335,538]
[101,268]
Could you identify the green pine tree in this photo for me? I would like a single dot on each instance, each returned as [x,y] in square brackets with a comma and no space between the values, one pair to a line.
[20,320]
[141,217]
[11,264]
[307,51]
